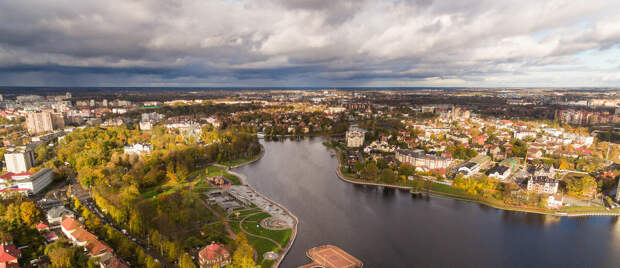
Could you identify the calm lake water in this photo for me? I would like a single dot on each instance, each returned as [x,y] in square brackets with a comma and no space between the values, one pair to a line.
[388,228]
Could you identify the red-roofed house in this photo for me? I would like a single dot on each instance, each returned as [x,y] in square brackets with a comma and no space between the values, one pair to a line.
[9,253]
[213,255]
[81,237]
[42,227]
[113,262]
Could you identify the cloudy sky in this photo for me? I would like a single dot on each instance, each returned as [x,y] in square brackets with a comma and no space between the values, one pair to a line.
[310,43]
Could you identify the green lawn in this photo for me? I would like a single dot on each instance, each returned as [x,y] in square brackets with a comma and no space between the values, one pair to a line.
[583,209]
[260,245]
[281,236]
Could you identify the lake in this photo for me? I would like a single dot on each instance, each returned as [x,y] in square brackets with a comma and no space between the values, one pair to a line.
[390,228]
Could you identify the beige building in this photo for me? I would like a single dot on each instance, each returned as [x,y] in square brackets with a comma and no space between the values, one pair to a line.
[355,137]
[44,121]
[18,162]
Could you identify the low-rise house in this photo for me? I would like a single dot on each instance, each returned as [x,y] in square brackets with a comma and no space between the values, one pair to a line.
[534,154]
[474,165]
[56,214]
[9,253]
[138,148]
[522,134]
[214,255]
[555,201]
[499,172]
[542,184]
[112,262]
[79,236]
[42,227]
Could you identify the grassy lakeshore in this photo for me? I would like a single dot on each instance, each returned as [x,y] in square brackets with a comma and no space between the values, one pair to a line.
[447,191]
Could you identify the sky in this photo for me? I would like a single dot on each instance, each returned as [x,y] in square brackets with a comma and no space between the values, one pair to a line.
[319,43]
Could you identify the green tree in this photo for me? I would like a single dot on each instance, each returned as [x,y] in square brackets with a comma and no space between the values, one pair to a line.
[387,175]
[370,172]
[406,169]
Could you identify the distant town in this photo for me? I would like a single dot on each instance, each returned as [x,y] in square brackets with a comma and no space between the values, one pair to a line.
[130,178]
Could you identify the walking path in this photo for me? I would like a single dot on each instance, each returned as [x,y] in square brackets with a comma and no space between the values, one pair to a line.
[231,234]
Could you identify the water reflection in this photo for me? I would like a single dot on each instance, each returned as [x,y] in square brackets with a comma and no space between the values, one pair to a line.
[392,228]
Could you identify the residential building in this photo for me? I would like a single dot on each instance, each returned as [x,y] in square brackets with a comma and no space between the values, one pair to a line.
[33,183]
[146,125]
[138,148]
[522,134]
[79,236]
[542,184]
[555,201]
[214,255]
[44,121]
[421,161]
[499,172]
[19,161]
[474,165]
[9,253]
[56,214]
[355,137]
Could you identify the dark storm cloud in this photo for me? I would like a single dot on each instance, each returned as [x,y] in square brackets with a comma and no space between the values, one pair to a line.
[282,42]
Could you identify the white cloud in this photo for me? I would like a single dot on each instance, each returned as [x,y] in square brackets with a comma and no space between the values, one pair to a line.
[477,42]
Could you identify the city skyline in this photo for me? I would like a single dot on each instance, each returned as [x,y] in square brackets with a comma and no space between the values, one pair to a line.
[310,43]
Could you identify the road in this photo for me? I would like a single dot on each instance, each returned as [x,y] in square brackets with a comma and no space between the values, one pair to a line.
[156,255]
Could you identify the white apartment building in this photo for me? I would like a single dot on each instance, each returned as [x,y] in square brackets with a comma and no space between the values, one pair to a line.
[19,161]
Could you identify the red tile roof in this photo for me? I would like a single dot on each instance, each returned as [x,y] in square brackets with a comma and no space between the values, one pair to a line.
[42,226]
[9,253]
[213,252]
[10,175]
[70,224]
[97,247]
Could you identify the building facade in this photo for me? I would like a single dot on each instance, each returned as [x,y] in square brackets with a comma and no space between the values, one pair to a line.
[214,255]
[355,137]
[44,121]
[33,183]
[543,185]
[20,161]
[423,161]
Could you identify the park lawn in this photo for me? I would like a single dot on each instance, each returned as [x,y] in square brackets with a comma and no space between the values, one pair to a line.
[281,236]
[438,187]
[261,246]
[267,264]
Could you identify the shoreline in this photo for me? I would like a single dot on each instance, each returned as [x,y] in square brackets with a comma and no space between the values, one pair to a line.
[464,198]
[243,179]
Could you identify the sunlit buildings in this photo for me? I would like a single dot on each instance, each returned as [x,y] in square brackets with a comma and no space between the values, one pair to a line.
[44,121]
[355,137]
